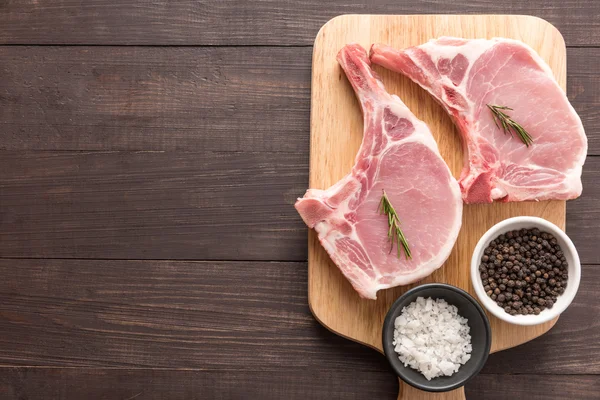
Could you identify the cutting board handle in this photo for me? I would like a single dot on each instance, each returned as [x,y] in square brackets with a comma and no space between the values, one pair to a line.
[408,392]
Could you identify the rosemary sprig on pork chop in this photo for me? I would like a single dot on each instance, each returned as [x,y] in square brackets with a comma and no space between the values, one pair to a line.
[509,125]
[394,232]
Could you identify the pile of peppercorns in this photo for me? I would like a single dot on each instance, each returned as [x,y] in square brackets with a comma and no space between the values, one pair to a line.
[524,271]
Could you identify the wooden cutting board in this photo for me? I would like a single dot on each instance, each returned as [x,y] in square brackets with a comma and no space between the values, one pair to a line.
[336,134]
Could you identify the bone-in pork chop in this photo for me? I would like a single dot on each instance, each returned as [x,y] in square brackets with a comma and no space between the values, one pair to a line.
[466,76]
[398,155]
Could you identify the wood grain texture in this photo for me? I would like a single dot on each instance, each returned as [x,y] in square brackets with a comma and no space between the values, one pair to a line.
[219,316]
[158,384]
[160,98]
[583,214]
[336,134]
[152,205]
[227,22]
[166,314]
[583,90]
[185,98]
[533,387]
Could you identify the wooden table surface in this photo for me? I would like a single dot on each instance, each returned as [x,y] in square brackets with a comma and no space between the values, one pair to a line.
[150,155]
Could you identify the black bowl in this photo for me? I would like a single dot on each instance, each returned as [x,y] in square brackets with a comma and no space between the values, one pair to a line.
[480,331]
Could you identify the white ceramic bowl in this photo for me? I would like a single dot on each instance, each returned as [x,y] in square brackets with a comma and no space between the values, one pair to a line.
[568,249]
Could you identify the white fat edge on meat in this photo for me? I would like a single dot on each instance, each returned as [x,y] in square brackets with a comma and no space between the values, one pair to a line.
[570,186]
[498,191]
[328,236]
[574,179]
[472,49]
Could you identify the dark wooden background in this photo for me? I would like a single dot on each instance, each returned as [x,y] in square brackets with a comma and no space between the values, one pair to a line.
[150,154]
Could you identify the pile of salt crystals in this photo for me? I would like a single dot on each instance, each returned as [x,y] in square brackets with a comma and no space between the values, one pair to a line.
[431,337]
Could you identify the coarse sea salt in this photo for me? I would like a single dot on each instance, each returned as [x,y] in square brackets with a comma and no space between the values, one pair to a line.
[431,337]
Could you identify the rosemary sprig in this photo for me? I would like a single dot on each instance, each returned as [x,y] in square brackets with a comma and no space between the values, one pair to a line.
[508,124]
[394,232]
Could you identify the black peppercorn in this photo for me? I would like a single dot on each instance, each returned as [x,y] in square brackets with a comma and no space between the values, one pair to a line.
[541,302]
[524,271]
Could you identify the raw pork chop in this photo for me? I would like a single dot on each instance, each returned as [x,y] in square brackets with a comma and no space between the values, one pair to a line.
[465,76]
[398,155]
